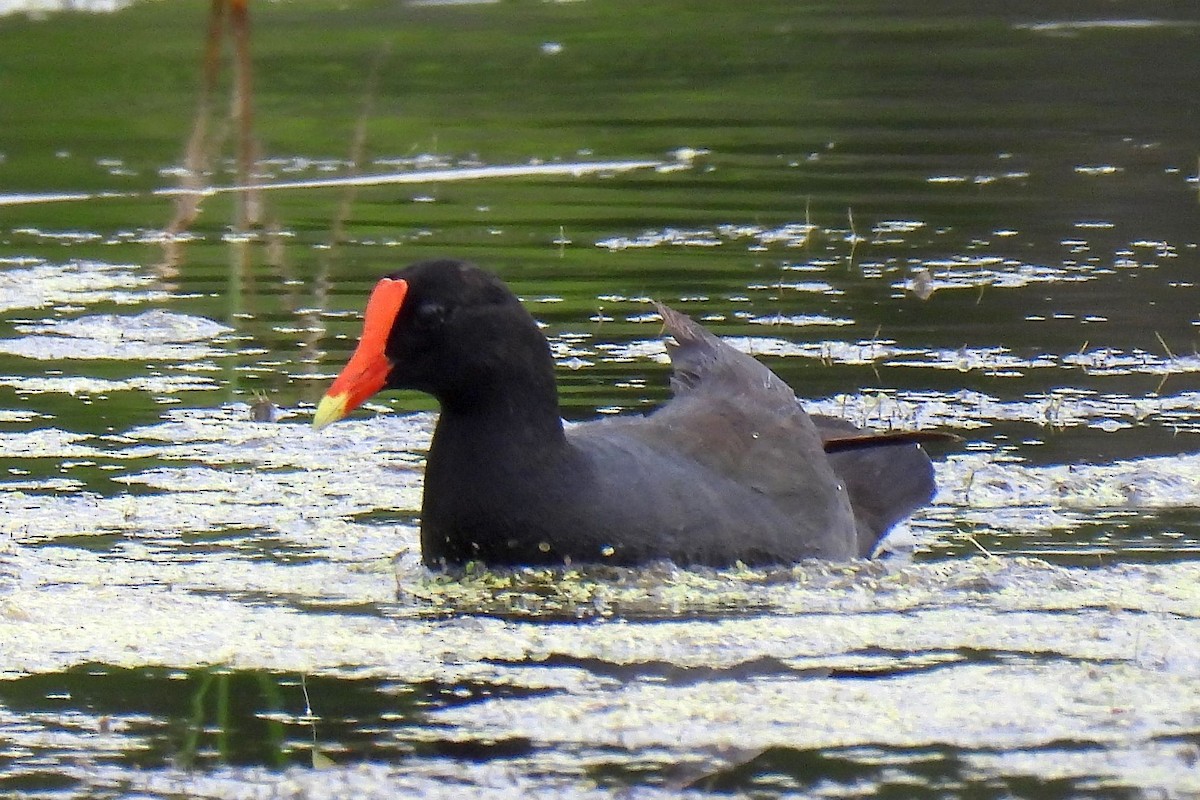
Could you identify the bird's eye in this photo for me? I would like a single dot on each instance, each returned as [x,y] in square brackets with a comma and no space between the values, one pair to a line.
[430,315]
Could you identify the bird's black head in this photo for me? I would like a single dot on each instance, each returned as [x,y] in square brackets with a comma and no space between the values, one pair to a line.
[445,327]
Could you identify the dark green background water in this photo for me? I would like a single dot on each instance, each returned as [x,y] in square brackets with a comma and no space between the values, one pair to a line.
[822,167]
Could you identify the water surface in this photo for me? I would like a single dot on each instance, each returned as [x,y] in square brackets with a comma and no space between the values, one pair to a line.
[943,217]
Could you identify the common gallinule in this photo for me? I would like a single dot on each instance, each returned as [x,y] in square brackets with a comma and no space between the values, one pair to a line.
[730,469]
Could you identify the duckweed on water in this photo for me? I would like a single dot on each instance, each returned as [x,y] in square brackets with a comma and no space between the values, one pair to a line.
[46,284]
[674,667]
[665,591]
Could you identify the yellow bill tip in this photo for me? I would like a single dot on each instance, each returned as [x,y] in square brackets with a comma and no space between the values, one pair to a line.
[331,408]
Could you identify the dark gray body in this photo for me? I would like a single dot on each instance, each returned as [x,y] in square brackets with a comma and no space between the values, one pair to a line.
[731,469]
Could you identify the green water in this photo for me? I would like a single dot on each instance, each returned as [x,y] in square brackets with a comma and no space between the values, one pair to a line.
[944,217]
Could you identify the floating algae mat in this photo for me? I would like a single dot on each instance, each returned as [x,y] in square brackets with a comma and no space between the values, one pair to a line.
[987,671]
